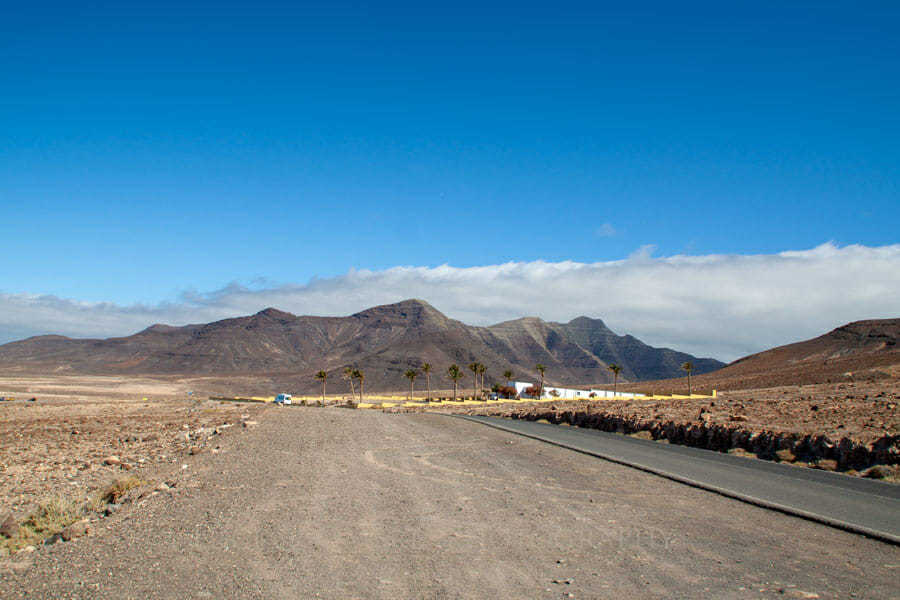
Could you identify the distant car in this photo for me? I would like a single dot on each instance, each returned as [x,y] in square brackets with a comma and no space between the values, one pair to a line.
[283,399]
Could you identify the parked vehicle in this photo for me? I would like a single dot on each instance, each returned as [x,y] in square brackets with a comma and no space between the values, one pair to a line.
[283,399]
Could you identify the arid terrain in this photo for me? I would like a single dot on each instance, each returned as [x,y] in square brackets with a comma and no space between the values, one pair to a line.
[439,508]
[82,433]
[854,428]
[137,464]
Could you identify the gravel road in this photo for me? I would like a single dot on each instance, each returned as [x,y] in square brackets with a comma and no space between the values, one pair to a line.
[332,503]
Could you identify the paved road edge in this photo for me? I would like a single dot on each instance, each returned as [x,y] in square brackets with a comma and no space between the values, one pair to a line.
[789,510]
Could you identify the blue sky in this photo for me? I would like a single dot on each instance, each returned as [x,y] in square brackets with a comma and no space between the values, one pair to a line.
[154,148]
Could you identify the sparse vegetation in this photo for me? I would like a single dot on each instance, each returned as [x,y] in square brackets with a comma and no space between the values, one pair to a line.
[474,368]
[323,377]
[455,374]
[358,374]
[349,376]
[49,518]
[411,374]
[116,490]
[616,369]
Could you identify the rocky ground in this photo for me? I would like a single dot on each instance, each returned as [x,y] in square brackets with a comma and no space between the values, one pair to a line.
[80,434]
[811,421]
[335,503]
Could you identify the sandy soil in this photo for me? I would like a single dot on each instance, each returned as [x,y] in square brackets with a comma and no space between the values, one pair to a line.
[333,503]
[56,446]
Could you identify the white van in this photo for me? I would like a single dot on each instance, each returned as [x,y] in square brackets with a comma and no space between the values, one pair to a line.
[283,399]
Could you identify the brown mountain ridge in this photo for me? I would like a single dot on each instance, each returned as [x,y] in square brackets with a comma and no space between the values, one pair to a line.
[862,350]
[383,341]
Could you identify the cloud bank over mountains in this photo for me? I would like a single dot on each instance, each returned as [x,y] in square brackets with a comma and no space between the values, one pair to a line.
[723,306]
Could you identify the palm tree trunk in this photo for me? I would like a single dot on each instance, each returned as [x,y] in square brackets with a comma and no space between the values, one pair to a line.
[410,389]
[615,384]
[352,389]
[428,385]
[455,386]
[690,389]
[360,390]
[323,391]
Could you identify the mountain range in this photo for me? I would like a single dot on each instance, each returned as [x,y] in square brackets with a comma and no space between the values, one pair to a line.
[383,341]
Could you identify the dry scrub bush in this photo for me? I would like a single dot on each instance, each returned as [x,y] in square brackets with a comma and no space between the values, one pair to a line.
[118,488]
[51,516]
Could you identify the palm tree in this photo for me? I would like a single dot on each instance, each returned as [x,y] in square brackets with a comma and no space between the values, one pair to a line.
[322,376]
[481,371]
[616,369]
[348,375]
[358,374]
[541,368]
[411,374]
[455,374]
[688,366]
[426,368]
[474,368]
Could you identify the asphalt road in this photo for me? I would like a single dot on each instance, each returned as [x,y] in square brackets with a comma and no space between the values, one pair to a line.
[861,505]
[334,503]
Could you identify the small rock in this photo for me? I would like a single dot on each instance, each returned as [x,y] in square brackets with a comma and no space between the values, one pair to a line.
[737,418]
[250,423]
[162,487]
[112,460]
[9,527]
[28,549]
[75,530]
[112,509]
[802,594]
[53,539]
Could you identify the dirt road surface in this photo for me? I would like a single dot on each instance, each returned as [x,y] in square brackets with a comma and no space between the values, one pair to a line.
[333,503]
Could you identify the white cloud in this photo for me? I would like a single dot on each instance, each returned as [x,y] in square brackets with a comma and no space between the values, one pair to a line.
[723,306]
[606,230]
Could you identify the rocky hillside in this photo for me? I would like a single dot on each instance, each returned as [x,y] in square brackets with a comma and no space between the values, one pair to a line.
[384,341]
[862,350]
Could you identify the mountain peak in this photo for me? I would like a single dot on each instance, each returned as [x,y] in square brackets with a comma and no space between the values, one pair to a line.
[583,321]
[274,313]
[159,328]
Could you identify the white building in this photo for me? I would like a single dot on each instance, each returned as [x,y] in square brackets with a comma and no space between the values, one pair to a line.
[570,393]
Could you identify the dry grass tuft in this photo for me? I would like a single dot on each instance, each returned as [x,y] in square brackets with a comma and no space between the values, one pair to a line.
[51,516]
[118,488]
